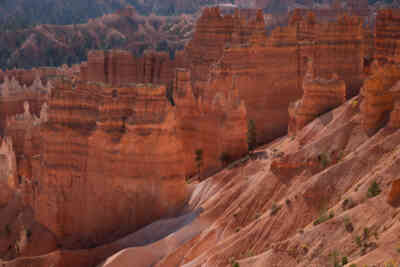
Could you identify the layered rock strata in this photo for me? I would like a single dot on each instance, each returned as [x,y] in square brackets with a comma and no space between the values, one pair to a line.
[118,67]
[107,148]
[379,93]
[15,93]
[394,194]
[215,122]
[320,96]
[387,33]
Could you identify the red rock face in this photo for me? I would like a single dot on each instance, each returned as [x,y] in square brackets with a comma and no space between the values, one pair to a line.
[394,121]
[271,76]
[320,95]
[90,165]
[394,194]
[386,33]
[121,67]
[213,34]
[379,93]
[215,122]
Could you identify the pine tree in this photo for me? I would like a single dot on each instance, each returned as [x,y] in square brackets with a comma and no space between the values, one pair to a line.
[251,135]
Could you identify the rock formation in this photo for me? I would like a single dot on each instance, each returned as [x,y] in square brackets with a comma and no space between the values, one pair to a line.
[379,93]
[394,194]
[121,67]
[319,96]
[24,130]
[15,93]
[8,165]
[215,122]
[394,121]
[104,133]
[387,33]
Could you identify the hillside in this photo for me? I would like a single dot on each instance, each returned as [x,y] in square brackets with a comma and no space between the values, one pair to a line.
[17,14]
[54,45]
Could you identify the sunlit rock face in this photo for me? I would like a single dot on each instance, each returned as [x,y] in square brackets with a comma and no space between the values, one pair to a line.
[319,96]
[111,149]
[119,67]
[387,33]
[379,93]
[214,122]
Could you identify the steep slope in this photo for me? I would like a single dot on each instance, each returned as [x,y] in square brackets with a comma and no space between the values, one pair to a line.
[304,218]
[324,199]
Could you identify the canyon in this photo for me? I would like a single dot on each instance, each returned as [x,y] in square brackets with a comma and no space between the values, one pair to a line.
[144,159]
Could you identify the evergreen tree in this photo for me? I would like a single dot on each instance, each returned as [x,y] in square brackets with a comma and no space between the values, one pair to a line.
[251,135]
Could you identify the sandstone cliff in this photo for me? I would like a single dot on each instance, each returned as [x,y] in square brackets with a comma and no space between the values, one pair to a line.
[215,122]
[104,134]
[379,93]
[386,33]
[15,93]
[319,96]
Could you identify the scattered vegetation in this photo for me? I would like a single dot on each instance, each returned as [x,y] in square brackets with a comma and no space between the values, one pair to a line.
[358,241]
[348,203]
[363,242]
[288,202]
[324,217]
[323,159]
[274,209]
[353,265]
[234,263]
[336,261]
[348,225]
[251,135]
[373,190]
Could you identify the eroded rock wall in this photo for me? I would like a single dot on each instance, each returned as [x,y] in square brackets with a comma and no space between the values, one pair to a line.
[379,93]
[214,122]
[108,148]
[119,67]
[320,95]
[387,33]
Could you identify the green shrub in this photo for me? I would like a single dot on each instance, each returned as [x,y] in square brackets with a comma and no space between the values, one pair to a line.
[323,218]
[251,135]
[366,233]
[348,225]
[348,203]
[274,209]
[358,241]
[373,190]
[345,260]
